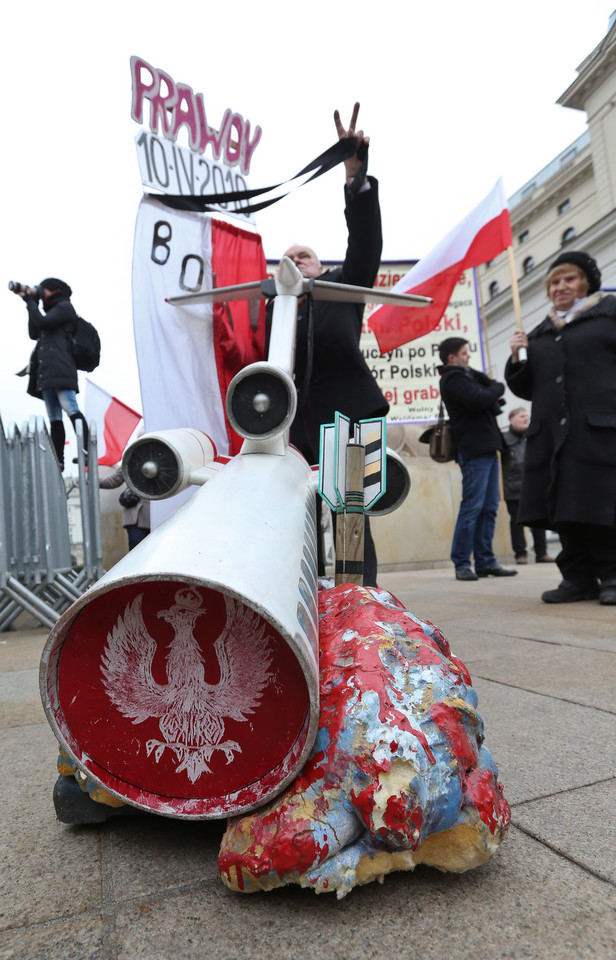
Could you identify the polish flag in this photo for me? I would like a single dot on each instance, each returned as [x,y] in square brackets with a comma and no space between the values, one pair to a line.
[187,354]
[115,423]
[480,237]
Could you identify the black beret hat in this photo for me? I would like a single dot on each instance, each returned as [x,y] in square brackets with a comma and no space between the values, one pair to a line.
[52,283]
[586,264]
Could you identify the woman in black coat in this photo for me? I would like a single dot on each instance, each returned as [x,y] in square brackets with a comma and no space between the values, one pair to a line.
[569,481]
[53,373]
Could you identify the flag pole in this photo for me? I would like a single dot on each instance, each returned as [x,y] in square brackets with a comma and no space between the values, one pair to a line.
[515,294]
[501,489]
[484,324]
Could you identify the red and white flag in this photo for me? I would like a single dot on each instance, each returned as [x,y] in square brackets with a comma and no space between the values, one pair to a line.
[115,423]
[188,354]
[480,237]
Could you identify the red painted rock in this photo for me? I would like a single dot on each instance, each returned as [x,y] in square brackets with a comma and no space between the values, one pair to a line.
[399,773]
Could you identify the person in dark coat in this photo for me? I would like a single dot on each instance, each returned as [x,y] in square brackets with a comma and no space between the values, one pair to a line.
[569,481]
[331,373]
[53,373]
[135,519]
[513,466]
[472,402]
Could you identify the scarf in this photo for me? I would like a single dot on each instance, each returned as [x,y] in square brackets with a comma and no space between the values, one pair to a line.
[586,304]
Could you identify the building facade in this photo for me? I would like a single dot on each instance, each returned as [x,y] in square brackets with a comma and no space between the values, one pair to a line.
[570,203]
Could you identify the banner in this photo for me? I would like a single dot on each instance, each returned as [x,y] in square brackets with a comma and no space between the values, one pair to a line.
[408,375]
[187,355]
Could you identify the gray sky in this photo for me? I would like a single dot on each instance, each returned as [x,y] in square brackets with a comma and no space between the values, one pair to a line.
[452,95]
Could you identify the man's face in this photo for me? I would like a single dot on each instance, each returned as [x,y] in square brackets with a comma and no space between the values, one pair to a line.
[519,421]
[566,287]
[305,259]
[460,359]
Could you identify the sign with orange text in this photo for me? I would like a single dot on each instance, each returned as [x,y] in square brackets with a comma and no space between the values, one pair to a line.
[408,375]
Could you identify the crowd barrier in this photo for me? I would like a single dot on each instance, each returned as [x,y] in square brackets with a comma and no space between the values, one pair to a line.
[38,573]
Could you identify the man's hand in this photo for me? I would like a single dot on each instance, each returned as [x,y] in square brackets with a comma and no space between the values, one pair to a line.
[353,164]
[518,342]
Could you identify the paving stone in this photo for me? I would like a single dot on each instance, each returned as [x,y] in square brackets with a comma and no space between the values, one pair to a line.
[48,870]
[579,823]
[543,745]
[148,887]
[571,674]
[150,853]
[20,702]
[21,650]
[526,902]
[77,938]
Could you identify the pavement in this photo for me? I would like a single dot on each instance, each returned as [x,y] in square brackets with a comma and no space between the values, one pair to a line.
[147,887]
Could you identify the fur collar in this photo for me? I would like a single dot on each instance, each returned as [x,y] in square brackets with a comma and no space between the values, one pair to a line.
[587,304]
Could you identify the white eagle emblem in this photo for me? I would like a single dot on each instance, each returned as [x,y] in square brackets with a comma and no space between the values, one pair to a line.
[191,712]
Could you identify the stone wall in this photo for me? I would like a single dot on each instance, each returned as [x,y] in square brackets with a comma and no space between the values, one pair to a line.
[419,533]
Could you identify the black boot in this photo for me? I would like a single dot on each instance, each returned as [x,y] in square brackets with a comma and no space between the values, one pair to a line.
[74,419]
[607,592]
[58,436]
[570,591]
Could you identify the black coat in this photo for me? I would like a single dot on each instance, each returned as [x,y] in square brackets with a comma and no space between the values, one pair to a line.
[570,377]
[340,378]
[472,404]
[52,364]
[513,463]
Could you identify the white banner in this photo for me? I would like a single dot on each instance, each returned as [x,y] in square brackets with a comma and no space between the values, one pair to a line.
[175,353]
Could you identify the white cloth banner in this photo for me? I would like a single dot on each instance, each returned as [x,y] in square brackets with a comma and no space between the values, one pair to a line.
[175,352]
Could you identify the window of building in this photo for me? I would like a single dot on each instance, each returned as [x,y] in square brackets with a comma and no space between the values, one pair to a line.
[568,236]
[564,206]
[528,265]
[494,289]
[523,236]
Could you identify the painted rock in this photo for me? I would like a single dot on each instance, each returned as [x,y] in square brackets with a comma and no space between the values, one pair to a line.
[399,773]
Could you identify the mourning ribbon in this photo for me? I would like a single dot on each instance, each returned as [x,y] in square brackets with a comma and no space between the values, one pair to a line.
[341,150]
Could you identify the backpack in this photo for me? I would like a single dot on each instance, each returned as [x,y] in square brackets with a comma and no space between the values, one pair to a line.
[86,346]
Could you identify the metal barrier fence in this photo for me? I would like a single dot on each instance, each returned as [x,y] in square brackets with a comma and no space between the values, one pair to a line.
[37,571]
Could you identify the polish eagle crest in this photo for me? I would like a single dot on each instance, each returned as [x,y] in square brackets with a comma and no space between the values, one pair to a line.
[191,712]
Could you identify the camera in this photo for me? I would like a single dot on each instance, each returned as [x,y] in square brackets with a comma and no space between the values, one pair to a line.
[17,287]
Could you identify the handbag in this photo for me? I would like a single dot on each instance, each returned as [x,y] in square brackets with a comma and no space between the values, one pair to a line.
[440,439]
[128,498]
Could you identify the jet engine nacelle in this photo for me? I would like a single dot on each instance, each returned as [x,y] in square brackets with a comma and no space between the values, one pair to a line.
[261,401]
[159,465]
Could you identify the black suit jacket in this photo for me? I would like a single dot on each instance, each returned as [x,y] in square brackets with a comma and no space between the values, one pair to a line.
[471,399]
[339,378]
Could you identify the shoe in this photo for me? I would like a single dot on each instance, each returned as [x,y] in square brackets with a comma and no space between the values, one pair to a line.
[496,572]
[545,559]
[570,592]
[465,573]
[523,559]
[607,592]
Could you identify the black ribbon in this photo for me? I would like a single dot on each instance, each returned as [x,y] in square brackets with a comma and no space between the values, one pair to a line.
[341,150]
